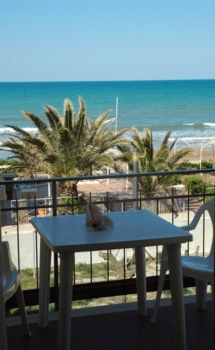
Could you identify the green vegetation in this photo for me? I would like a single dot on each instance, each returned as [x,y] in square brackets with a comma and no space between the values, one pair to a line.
[27,278]
[83,267]
[99,271]
[195,185]
[66,145]
[83,272]
[165,158]
[159,257]
[186,291]
[205,164]
[12,162]
[75,145]
[72,205]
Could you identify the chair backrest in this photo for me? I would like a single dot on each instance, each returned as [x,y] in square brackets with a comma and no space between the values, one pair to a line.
[1,264]
[3,335]
[210,207]
[7,264]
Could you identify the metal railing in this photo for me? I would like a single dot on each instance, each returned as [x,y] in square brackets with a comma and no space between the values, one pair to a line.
[160,203]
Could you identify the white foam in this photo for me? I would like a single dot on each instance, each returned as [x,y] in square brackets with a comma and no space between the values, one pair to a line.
[209,124]
[32,130]
[5,130]
[12,131]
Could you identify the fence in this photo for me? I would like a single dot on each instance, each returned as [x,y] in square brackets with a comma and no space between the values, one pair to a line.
[175,205]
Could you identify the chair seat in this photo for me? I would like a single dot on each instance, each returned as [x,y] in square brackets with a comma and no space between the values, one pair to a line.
[11,286]
[11,282]
[197,267]
[202,269]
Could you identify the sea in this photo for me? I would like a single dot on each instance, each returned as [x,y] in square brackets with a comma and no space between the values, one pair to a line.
[186,107]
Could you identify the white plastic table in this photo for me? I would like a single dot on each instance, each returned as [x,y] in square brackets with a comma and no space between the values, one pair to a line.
[132,229]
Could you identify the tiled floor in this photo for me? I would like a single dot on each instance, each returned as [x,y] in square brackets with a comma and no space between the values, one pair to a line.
[121,330]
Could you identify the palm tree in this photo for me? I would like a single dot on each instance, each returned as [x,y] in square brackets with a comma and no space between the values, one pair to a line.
[165,158]
[71,145]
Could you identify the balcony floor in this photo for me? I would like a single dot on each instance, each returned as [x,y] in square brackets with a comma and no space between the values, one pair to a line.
[112,329]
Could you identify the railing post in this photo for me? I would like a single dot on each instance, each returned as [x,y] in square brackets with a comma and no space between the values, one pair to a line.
[54,198]
[83,292]
[135,180]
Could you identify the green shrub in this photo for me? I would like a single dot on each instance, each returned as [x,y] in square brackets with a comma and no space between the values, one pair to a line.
[186,165]
[83,267]
[186,291]
[8,162]
[195,185]
[72,205]
[206,164]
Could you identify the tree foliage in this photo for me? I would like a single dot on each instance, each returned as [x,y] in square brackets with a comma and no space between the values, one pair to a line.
[150,159]
[68,145]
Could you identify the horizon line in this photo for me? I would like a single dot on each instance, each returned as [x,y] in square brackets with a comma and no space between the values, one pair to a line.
[101,81]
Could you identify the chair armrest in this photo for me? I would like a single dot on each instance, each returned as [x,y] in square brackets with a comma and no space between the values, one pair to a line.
[189,227]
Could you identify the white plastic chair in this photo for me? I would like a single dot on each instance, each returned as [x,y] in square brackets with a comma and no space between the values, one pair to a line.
[9,285]
[3,335]
[202,269]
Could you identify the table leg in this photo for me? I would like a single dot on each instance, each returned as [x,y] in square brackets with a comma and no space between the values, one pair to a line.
[44,290]
[176,283]
[65,299]
[141,280]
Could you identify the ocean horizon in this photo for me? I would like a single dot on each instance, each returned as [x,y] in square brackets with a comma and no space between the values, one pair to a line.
[187,107]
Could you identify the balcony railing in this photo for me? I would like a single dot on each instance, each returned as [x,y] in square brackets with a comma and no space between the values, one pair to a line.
[174,204]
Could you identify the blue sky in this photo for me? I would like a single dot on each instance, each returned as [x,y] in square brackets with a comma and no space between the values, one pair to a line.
[90,40]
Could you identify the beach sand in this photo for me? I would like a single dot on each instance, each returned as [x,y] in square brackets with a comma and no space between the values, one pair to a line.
[122,185]
[207,154]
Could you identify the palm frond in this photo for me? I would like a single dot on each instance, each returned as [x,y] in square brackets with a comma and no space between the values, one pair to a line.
[45,132]
[69,115]
[80,126]
[18,130]
[54,118]
[164,142]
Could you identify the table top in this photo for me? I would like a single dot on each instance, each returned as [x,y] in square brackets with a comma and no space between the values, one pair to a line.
[131,229]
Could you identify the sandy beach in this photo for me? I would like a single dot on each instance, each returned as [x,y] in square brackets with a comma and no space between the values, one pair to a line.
[122,185]
[207,154]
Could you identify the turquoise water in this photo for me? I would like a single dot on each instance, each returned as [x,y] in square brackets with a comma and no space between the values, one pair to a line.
[187,107]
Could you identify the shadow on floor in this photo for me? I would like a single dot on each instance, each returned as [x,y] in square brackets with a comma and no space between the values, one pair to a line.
[121,330]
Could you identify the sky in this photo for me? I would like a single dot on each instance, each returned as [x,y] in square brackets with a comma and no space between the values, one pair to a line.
[98,40]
